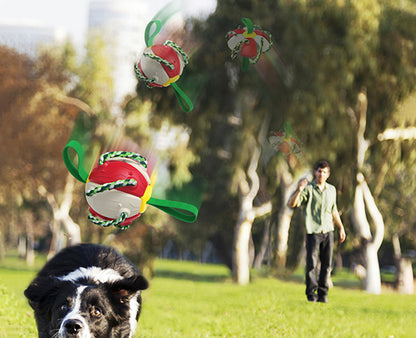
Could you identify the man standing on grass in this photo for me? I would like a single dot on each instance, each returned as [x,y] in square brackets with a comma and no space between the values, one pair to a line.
[320,212]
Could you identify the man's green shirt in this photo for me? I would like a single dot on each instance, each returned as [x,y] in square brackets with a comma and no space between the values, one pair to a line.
[318,207]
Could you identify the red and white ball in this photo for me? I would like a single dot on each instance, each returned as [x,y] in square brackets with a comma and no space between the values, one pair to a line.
[255,42]
[110,204]
[162,75]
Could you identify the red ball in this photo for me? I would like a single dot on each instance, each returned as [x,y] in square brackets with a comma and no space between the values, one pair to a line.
[162,74]
[110,204]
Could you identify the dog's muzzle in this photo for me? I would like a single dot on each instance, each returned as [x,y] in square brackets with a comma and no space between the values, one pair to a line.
[72,327]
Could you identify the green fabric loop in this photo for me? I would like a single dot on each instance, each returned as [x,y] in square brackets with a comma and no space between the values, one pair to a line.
[180,210]
[184,101]
[149,38]
[79,173]
[249,24]
[245,63]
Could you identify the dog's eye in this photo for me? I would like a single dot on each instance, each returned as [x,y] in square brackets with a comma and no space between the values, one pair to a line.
[63,307]
[96,312]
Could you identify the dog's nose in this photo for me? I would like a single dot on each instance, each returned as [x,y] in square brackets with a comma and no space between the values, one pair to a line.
[73,326]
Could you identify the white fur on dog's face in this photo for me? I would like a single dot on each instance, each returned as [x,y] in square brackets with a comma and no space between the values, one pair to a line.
[95,273]
[98,275]
[74,314]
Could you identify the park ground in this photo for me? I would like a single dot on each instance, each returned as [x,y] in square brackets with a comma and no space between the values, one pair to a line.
[187,299]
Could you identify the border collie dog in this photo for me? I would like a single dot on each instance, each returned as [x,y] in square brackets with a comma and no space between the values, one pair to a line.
[87,291]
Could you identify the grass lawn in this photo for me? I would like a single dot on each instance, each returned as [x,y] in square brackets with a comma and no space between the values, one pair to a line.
[194,300]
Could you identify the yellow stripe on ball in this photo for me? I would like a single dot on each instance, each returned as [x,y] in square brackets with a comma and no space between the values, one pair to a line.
[145,198]
[171,80]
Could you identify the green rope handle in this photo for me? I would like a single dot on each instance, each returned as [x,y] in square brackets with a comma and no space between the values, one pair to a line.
[142,77]
[159,59]
[165,62]
[125,154]
[258,53]
[115,222]
[180,210]
[111,186]
[149,38]
[178,49]
[78,172]
[236,50]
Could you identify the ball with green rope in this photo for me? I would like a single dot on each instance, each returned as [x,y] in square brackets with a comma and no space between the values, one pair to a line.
[118,189]
[161,64]
[249,41]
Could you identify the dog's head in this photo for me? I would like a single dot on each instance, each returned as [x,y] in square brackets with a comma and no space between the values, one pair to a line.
[81,307]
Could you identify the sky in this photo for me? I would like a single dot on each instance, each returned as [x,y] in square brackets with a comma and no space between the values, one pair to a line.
[70,15]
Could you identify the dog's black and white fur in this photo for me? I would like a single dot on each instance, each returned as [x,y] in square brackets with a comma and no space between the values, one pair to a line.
[87,291]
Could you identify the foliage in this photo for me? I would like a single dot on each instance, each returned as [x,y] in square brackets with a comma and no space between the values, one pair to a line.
[37,127]
[41,98]
[324,53]
[95,84]
[194,300]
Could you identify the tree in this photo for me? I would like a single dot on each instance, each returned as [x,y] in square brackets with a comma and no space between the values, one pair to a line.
[247,214]
[36,127]
[324,53]
[364,200]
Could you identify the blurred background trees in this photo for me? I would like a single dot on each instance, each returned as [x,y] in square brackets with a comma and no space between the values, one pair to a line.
[324,54]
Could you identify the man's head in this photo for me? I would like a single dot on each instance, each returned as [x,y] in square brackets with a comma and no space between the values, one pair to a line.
[321,170]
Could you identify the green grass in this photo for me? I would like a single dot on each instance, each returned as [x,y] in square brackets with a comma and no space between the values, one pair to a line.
[194,300]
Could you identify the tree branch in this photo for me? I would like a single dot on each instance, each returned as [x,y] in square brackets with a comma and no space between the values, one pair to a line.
[362,143]
[263,209]
[397,134]
[374,214]
[358,213]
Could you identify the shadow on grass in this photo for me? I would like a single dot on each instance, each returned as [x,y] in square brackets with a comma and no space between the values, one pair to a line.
[343,279]
[211,278]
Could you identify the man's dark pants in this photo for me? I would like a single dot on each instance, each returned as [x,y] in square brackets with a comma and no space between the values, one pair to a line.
[318,246]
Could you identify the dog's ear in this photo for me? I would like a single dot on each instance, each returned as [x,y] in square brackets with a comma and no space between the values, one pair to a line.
[41,289]
[122,290]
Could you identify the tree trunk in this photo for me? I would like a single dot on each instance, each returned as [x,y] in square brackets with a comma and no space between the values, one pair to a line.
[21,247]
[363,201]
[285,217]
[404,274]
[372,282]
[241,264]
[247,214]
[2,246]
[288,184]
[30,244]
[65,231]
[265,243]
[405,279]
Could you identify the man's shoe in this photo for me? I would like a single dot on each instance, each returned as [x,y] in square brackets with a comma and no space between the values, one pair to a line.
[312,298]
[323,299]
